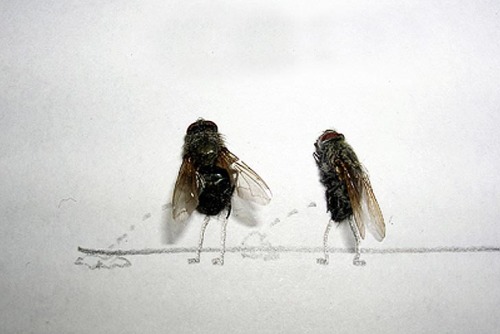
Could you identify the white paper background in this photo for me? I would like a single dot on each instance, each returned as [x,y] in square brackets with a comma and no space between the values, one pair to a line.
[95,101]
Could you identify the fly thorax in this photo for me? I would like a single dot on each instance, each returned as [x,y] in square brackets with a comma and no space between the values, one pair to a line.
[204,150]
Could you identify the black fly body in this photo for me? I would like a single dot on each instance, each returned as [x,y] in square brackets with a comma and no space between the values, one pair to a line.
[208,177]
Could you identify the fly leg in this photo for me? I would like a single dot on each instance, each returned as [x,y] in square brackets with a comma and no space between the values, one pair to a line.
[326,259]
[356,261]
[220,260]
[200,244]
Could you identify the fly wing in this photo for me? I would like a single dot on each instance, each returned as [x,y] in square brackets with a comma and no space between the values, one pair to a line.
[376,222]
[352,181]
[185,198]
[249,185]
[363,202]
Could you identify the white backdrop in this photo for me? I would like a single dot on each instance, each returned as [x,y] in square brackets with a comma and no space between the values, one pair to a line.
[95,101]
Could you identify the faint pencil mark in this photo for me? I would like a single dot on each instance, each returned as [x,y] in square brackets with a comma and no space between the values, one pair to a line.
[275,221]
[291,249]
[121,238]
[312,205]
[293,212]
[103,262]
[166,206]
[390,220]
[257,240]
[66,200]
[93,261]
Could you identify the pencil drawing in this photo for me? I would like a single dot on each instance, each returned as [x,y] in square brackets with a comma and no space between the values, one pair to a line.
[293,249]
[106,261]
[66,200]
[253,246]
[103,261]
[275,221]
[254,241]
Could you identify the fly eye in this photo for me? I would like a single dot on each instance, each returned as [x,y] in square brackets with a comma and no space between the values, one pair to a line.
[209,125]
[329,135]
[193,128]
[201,125]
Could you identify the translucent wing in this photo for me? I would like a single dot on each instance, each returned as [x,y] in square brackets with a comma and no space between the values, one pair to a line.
[249,185]
[185,198]
[376,221]
[363,202]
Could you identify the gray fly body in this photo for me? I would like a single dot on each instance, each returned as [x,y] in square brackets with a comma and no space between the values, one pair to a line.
[349,195]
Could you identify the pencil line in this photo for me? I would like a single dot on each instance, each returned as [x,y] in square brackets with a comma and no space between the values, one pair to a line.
[290,249]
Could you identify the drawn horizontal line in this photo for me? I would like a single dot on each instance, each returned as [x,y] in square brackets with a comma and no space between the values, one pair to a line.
[290,249]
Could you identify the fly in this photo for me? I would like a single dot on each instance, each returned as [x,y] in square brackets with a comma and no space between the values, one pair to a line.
[208,177]
[349,194]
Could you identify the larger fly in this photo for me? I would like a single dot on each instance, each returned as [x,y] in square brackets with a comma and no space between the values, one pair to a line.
[349,193]
[208,177]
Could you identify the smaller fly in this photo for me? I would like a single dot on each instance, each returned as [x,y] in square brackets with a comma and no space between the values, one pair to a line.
[349,193]
[207,179]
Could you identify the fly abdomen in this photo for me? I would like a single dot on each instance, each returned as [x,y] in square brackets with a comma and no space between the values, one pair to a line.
[337,198]
[338,203]
[216,191]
